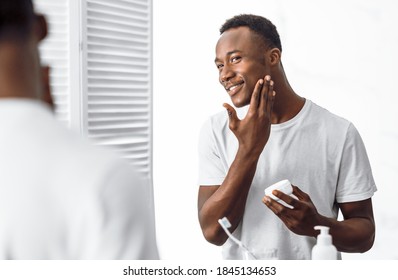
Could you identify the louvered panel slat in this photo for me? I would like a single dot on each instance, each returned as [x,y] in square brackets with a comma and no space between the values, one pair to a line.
[118,67]
[100,74]
[109,117]
[118,58]
[110,136]
[114,39]
[54,51]
[117,77]
[116,122]
[104,111]
[119,80]
[119,142]
[115,19]
[137,6]
[114,103]
[115,29]
[122,90]
[143,4]
[119,49]
[114,23]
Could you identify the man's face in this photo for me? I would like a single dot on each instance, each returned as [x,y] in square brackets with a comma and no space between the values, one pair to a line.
[241,61]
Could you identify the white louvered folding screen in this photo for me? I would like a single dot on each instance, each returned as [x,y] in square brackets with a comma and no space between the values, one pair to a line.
[117,77]
[100,54]
[55,51]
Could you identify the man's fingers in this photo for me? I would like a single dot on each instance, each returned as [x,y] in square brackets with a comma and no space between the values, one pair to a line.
[233,118]
[271,99]
[265,97]
[286,198]
[270,203]
[275,206]
[300,194]
[271,103]
[256,96]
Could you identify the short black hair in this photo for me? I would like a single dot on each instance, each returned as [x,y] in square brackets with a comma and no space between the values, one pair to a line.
[16,18]
[260,25]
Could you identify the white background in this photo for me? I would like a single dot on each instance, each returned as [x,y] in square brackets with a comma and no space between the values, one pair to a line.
[340,54]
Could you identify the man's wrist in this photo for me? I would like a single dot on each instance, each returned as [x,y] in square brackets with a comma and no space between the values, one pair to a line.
[248,155]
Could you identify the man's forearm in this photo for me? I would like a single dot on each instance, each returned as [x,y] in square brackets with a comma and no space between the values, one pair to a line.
[229,199]
[354,235]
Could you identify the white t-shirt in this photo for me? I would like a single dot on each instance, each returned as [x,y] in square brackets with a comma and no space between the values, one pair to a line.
[317,151]
[63,198]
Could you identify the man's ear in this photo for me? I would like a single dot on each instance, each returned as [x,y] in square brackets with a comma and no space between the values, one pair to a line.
[40,27]
[274,56]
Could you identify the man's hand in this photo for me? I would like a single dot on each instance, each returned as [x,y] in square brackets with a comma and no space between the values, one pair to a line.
[355,234]
[302,218]
[253,131]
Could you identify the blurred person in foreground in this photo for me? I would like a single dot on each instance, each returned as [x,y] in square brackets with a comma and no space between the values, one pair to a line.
[275,134]
[60,196]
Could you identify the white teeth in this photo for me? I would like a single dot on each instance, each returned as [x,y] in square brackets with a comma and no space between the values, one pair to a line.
[234,86]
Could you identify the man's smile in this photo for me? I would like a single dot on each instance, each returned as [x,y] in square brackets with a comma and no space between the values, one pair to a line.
[233,88]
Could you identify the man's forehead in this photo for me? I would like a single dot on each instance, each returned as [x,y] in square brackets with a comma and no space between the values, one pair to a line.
[233,39]
[235,34]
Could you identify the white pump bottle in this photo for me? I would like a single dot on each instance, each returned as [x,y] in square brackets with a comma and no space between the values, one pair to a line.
[324,248]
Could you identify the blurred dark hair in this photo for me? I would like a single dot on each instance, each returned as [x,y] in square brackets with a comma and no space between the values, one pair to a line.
[260,25]
[16,18]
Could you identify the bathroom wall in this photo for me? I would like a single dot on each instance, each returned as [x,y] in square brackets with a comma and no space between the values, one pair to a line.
[340,54]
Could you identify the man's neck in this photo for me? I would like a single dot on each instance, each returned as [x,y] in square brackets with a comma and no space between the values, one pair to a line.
[287,103]
[17,71]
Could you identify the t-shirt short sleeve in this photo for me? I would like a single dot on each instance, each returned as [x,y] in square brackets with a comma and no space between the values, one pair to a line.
[355,181]
[211,170]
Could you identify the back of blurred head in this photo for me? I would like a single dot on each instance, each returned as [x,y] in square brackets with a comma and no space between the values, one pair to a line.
[21,30]
[16,19]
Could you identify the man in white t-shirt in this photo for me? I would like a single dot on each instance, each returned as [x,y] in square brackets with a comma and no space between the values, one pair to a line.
[275,134]
[60,196]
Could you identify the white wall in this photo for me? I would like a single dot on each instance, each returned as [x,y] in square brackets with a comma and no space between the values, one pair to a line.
[340,54]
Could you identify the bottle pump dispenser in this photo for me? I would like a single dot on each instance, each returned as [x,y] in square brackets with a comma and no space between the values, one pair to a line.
[324,248]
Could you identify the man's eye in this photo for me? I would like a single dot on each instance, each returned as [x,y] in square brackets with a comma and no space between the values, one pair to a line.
[235,59]
[219,66]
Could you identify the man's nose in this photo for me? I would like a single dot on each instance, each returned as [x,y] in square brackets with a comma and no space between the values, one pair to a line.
[226,74]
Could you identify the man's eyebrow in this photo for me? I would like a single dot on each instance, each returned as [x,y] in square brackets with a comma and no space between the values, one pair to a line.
[228,54]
